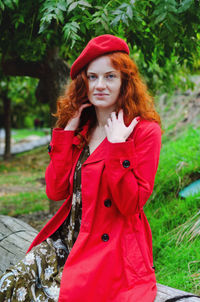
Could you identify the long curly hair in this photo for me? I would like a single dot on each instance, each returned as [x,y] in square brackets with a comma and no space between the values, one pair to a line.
[134,98]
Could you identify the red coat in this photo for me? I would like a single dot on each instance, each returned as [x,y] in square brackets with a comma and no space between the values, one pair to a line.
[111,260]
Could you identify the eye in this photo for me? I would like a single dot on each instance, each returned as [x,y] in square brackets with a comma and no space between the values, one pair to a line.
[110,76]
[91,77]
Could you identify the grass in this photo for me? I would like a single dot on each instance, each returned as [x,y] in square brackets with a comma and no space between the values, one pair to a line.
[19,134]
[177,264]
[20,182]
[166,211]
[23,203]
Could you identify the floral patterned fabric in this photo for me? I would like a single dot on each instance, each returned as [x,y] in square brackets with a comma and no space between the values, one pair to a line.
[37,277]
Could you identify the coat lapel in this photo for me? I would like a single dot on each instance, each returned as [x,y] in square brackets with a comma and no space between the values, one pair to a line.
[98,154]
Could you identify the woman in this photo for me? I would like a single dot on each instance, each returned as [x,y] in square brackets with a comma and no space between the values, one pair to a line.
[104,157]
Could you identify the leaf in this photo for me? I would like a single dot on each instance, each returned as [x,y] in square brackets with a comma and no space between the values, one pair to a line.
[43,27]
[172,9]
[116,20]
[168,26]
[173,19]
[160,18]
[185,5]
[84,3]
[69,2]
[124,19]
[117,12]
[124,5]
[72,6]
[129,12]
[9,4]
[2,5]
[62,7]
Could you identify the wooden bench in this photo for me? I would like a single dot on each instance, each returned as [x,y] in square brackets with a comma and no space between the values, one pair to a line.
[16,236]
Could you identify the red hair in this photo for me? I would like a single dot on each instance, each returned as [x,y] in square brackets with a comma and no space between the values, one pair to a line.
[133,98]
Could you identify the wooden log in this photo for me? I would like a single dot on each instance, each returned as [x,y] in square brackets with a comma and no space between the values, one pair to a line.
[15,239]
[16,236]
[166,292]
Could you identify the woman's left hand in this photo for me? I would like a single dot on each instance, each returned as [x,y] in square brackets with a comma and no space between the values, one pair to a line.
[116,130]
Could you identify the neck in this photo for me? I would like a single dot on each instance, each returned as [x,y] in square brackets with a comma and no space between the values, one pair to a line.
[102,115]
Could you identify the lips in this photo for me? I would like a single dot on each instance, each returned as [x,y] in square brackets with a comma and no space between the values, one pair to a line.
[100,94]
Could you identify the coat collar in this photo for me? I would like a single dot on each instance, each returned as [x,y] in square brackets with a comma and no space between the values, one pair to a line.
[99,153]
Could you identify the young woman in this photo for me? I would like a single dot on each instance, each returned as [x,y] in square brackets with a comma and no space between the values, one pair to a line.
[104,156]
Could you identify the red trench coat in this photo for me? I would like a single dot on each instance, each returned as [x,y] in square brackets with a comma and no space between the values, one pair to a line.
[111,260]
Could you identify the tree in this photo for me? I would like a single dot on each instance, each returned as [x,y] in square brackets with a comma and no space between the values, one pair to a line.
[7,116]
[36,35]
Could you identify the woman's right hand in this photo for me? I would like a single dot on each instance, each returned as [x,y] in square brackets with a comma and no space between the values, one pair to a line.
[73,123]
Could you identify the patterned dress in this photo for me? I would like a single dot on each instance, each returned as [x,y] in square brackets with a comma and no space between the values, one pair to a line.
[37,277]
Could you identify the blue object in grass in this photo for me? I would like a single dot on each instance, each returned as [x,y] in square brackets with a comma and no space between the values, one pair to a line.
[190,190]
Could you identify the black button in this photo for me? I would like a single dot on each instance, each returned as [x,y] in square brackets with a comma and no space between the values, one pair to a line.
[49,148]
[105,237]
[107,203]
[153,267]
[126,163]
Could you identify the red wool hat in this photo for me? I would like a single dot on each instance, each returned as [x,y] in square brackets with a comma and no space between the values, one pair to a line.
[97,47]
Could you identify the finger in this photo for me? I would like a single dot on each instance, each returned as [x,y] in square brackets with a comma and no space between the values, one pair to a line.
[133,123]
[106,129]
[109,122]
[113,116]
[121,115]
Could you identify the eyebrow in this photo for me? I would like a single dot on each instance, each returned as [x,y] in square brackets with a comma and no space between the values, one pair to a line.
[105,72]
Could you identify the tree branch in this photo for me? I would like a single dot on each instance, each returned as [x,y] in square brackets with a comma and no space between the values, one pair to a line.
[18,67]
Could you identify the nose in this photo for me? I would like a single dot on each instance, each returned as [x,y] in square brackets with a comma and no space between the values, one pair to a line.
[100,84]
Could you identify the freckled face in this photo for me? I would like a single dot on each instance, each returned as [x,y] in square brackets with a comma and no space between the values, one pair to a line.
[104,83]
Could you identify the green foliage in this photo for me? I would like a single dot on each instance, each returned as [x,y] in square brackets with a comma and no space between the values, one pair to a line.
[165,34]
[25,107]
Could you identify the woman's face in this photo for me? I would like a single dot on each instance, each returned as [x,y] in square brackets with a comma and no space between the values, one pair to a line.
[104,83]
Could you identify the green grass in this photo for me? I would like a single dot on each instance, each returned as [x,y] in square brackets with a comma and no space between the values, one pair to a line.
[23,203]
[20,134]
[20,182]
[166,212]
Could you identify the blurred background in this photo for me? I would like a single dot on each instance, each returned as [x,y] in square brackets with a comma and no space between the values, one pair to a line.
[39,40]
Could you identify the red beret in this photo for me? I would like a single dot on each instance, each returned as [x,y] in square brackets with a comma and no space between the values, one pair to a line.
[97,47]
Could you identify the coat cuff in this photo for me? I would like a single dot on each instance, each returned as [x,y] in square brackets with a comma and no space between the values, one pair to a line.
[60,142]
[62,137]
[121,149]
[122,155]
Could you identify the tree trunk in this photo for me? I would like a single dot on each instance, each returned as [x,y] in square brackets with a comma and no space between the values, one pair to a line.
[52,73]
[7,126]
[50,87]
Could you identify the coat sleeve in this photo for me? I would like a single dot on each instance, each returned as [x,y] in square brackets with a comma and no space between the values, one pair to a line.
[131,167]
[59,168]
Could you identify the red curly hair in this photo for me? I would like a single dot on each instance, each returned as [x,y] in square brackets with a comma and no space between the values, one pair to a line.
[133,98]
